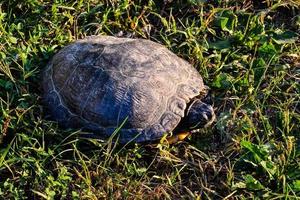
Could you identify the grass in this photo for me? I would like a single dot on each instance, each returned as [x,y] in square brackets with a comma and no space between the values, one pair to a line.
[246,51]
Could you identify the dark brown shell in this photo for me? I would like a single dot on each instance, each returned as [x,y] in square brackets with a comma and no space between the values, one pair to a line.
[99,82]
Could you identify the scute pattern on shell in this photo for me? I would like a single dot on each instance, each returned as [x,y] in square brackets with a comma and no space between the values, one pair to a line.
[98,82]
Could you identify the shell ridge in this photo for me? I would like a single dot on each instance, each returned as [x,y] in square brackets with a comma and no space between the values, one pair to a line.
[102,52]
[91,92]
[69,77]
[152,119]
[121,106]
[57,94]
[166,110]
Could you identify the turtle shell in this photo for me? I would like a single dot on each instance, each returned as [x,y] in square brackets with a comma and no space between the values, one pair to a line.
[101,83]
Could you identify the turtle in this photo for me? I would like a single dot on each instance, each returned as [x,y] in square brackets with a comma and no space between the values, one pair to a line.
[134,88]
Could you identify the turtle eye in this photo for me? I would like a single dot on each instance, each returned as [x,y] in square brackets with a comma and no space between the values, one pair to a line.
[204,116]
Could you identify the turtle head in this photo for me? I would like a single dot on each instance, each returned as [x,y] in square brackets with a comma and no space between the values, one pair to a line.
[199,114]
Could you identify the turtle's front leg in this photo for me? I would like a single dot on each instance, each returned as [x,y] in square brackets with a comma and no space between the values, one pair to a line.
[177,137]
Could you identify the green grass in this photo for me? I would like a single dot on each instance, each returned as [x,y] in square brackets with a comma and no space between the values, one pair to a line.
[248,54]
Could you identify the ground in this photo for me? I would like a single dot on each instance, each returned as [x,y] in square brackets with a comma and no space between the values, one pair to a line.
[248,54]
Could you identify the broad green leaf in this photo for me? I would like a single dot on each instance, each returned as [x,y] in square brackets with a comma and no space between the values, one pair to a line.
[252,183]
[259,152]
[223,81]
[222,21]
[294,173]
[285,37]
[221,44]
[296,185]
[13,40]
[267,51]
[269,167]
[227,21]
